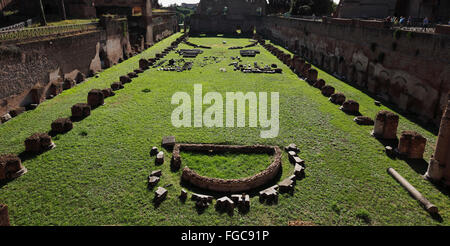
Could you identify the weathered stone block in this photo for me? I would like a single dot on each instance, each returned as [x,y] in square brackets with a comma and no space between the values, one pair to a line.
[116,86]
[4,217]
[183,195]
[299,171]
[286,186]
[292,147]
[153,181]
[159,158]
[412,145]
[319,84]
[108,92]
[132,75]
[62,125]
[5,118]
[160,195]
[364,120]
[327,90]
[168,142]
[225,204]
[124,79]
[67,84]
[81,110]
[312,76]
[337,98]
[386,124]
[350,107]
[38,143]
[154,151]
[95,98]
[10,166]
[156,173]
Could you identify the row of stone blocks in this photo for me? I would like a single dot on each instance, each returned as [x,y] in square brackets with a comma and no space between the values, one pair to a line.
[411,144]
[54,89]
[145,64]
[303,69]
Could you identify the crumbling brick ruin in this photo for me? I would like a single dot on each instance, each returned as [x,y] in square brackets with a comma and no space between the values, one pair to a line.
[39,69]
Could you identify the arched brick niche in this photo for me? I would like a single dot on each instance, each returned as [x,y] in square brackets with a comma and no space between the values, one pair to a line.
[228,185]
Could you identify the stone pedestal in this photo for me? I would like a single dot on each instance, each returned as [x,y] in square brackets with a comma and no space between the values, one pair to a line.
[412,145]
[337,98]
[386,124]
[62,125]
[95,98]
[439,167]
[81,110]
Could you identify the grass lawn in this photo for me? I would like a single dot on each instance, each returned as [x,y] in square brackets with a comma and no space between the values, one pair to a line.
[97,174]
[226,166]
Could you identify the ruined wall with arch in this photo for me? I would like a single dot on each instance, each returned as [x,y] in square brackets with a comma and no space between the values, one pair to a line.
[410,70]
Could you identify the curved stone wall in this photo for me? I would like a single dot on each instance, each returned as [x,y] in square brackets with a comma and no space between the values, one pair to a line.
[230,185]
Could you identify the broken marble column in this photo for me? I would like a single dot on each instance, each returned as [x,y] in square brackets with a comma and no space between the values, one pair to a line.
[439,166]
[386,124]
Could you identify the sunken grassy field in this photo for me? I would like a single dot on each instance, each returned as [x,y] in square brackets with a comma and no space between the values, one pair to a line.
[97,174]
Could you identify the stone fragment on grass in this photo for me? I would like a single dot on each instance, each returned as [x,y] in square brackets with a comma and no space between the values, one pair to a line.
[38,143]
[10,167]
[286,186]
[168,142]
[154,151]
[299,171]
[153,181]
[327,90]
[292,147]
[337,98]
[225,204]
[95,98]
[364,120]
[81,110]
[159,158]
[160,195]
[183,195]
[62,125]
[116,86]
[5,118]
[124,79]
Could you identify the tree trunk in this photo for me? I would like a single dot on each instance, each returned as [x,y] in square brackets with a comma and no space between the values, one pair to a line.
[43,20]
[63,8]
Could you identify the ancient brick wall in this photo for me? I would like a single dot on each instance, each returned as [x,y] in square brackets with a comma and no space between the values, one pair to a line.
[40,63]
[410,70]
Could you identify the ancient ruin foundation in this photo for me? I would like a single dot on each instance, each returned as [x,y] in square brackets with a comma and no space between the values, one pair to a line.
[95,98]
[412,145]
[38,143]
[386,124]
[229,185]
[10,167]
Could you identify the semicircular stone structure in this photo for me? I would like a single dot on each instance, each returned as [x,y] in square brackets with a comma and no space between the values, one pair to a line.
[230,185]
